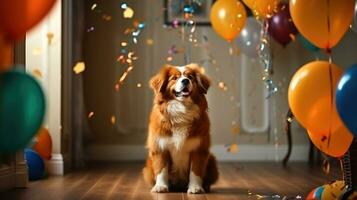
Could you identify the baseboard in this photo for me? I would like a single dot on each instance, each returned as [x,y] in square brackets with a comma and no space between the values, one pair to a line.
[55,166]
[246,152]
[7,177]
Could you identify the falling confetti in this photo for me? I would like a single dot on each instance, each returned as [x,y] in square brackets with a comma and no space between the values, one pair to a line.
[112,119]
[128,13]
[235,129]
[138,85]
[90,29]
[149,42]
[169,59]
[232,148]
[79,67]
[222,86]
[50,36]
[37,73]
[93,6]
[124,44]
[90,115]
[106,17]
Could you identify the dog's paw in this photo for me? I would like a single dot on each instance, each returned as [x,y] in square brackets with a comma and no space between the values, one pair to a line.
[160,188]
[195,189]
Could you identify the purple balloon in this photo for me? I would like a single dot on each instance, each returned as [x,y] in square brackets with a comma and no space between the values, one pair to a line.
[281,26]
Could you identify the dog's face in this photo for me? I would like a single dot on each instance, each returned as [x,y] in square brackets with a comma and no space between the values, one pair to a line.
[182,83]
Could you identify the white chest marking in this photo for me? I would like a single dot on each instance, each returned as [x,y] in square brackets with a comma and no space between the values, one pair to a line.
[182,113]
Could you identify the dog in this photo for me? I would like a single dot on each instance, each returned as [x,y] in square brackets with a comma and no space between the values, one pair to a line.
[178,139]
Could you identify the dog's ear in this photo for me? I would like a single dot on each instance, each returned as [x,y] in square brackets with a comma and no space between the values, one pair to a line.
[159,81]
[203,82]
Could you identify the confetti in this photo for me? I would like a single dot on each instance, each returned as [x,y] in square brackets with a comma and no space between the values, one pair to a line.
[90,29]
[169,59]
[233,148]
[79,67]
[222,86]
[106,17]
[138,85]
[235,130]
[37,73]
[93,6]
[128,13]
[124,6]
[117,87]
[112,119]
[50,36]
[124,44]
[90,115]
[149,42]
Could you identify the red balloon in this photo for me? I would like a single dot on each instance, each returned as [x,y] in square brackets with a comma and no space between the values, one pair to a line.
[18,16]
[281,26]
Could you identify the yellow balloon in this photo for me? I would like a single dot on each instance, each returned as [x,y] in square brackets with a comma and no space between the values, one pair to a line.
[311,96]
[228,18]
[322,22]
[263,8]
[333,191]
[336,144]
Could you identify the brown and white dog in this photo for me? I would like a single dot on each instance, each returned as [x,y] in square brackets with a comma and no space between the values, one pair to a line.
[178,141]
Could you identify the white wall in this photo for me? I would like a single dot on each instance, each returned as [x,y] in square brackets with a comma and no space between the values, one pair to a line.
[44,55]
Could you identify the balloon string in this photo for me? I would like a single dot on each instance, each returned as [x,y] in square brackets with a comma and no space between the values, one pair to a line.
[331,99]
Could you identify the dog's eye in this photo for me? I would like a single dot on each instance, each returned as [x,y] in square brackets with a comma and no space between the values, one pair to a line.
[174,78]
[191,77]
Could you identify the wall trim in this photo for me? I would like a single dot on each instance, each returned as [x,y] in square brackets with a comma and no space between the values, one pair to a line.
[55,166]
[246,152]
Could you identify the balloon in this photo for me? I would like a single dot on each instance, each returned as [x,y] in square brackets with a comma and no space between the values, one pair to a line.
[322,22]
[311,195]
[22,108]
[228,18]
[333,190]
[307,44]
[43,144]
[337,145]
[346,98]
[262,8]
[309,96]
[316,193]
[354,23]
[249,39]
[6,52]
[18,16]
[281,27]
[35,164]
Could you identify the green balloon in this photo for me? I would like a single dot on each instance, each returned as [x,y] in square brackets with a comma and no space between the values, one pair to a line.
[22,109]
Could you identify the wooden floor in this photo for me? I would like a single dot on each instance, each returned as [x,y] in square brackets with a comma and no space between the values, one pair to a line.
[123,181]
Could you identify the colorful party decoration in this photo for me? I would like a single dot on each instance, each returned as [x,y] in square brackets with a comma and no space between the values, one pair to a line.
[228,18]
[249,39]
[316,193]
[262,8]
[322,22]
[18,16]
[35,165]
[43,143]
[346,98]
[22,108]
[334,144]
[333,190]
[311,96]
[281,27]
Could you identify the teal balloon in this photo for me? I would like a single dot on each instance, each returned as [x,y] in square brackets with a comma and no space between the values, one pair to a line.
[22,109]
[307,44]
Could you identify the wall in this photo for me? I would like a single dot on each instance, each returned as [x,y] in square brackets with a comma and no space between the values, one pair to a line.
[43,55]
[131,105]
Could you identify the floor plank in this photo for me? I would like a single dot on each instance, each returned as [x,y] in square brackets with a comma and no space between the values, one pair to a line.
[238,181]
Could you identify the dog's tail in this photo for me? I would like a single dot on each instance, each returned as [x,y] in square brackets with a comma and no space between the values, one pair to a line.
[212,171]
[149,173]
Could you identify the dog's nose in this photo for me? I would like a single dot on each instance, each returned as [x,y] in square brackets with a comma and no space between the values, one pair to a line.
[185,81]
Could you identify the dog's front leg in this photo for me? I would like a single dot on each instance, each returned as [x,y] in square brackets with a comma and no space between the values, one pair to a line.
[160,167]
[198,170]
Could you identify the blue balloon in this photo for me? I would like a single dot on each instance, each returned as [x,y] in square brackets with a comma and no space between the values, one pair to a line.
[318,193]
[346,98]
[35,165]
[307,44]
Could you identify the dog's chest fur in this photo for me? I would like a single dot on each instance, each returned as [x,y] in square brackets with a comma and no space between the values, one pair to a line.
[179,144]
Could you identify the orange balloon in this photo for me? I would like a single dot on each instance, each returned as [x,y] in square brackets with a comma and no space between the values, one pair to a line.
[43,145]
[228,18]
[263,8]
[338,143]
[6,54]
[18,16]
[309,96]
[322,23]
